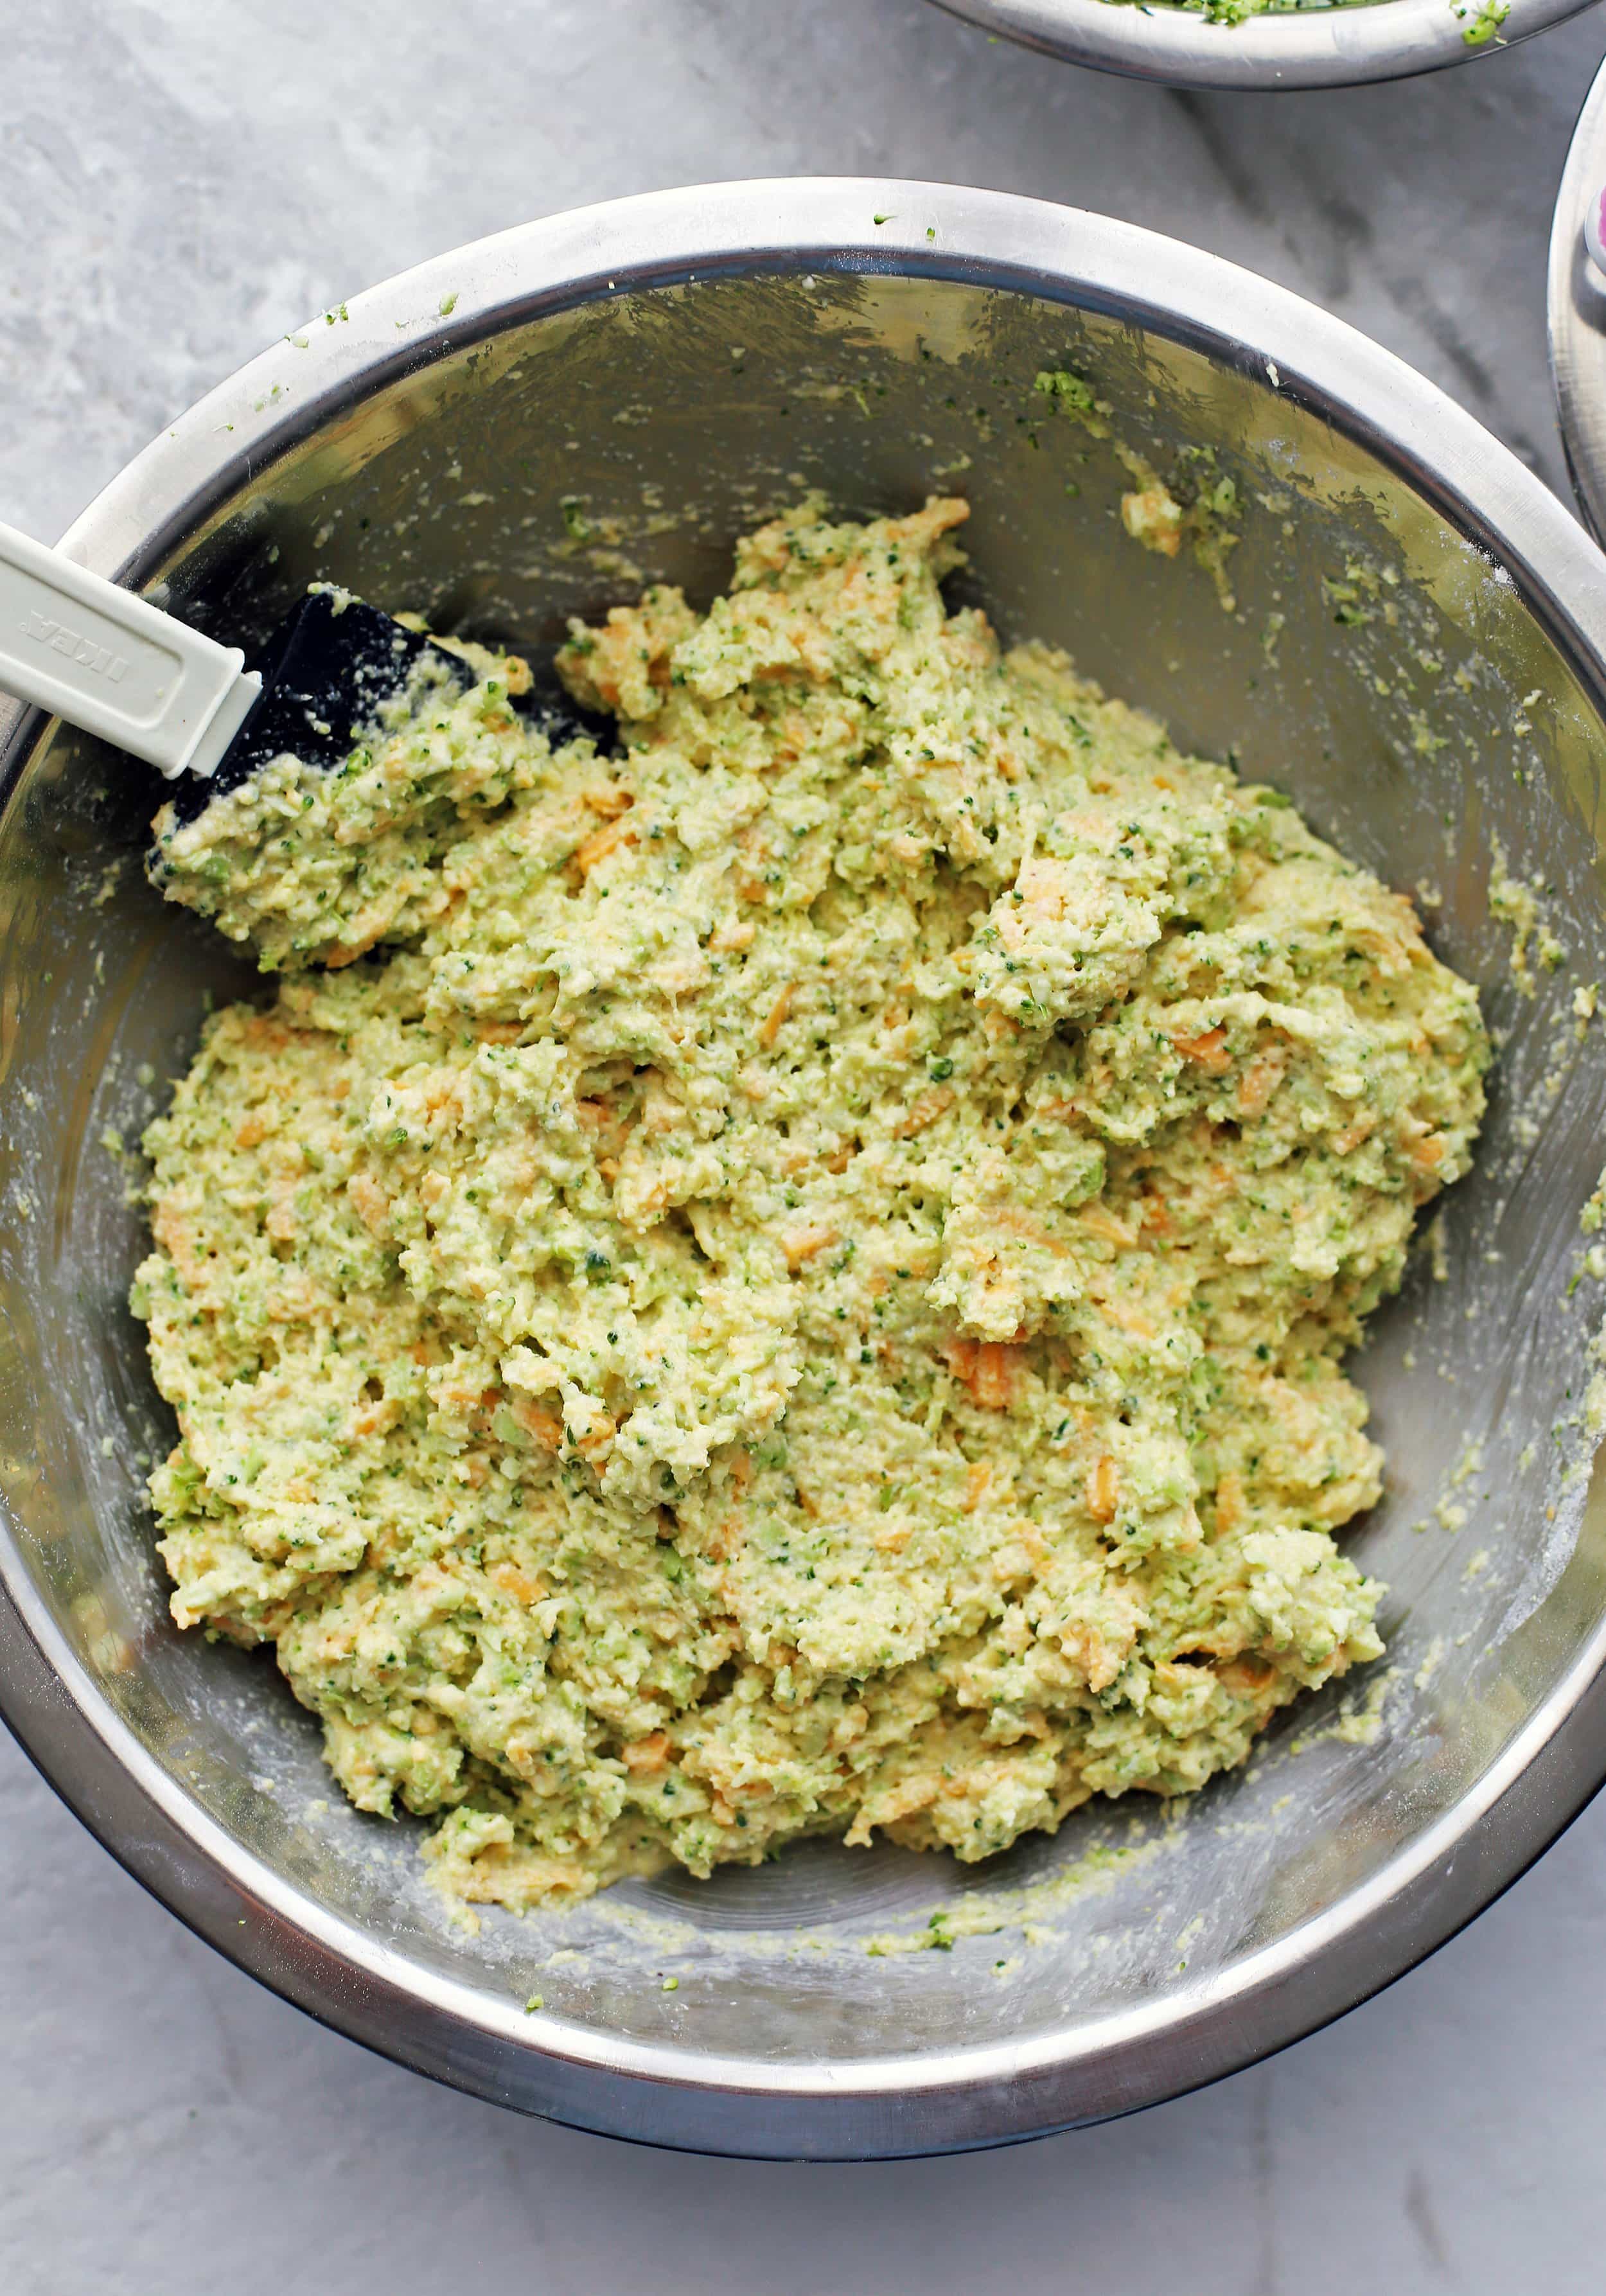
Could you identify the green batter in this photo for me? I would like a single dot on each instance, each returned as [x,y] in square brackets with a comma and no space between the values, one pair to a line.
[792,1280]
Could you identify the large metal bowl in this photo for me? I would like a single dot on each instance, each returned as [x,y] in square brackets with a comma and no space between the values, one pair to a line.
[1311,46]
[1578,311]
[667,368]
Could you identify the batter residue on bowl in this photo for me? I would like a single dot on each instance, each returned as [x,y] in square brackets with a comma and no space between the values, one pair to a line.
[795,1278]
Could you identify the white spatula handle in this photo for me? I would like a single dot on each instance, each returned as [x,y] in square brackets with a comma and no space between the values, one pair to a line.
[109,664]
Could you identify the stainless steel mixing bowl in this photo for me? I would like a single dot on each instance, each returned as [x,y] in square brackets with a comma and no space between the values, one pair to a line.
[1578,311]
[530,427]
[1314,46]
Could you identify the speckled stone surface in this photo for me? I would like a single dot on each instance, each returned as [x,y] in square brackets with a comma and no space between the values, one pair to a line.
[180,182]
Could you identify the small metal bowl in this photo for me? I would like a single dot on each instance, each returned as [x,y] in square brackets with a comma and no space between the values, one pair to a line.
[1309,47]
[1577,312]
[535,426]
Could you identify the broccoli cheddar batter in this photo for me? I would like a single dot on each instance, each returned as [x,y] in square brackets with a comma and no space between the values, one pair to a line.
[794,1278]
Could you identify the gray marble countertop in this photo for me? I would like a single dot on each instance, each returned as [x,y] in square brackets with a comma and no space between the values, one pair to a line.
[180,182]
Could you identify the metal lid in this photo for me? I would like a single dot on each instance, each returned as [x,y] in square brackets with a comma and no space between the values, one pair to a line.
[1578,311]
[1315,46]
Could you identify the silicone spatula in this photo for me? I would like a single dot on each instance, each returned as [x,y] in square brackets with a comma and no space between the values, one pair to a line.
[111,664]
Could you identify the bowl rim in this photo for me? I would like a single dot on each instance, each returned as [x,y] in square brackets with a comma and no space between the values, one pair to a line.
[1319,46]
[1576,296]
[986,2092]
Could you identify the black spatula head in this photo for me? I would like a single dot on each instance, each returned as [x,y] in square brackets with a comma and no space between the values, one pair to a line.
[328,670]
